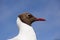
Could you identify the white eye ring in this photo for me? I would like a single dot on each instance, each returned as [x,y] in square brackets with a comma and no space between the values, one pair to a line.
[29,15]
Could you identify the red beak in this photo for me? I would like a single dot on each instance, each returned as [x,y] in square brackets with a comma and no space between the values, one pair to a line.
[40,19]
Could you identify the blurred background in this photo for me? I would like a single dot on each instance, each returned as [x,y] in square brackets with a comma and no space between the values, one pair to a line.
[48,9]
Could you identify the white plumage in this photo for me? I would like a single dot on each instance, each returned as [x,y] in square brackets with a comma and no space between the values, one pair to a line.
[26,32]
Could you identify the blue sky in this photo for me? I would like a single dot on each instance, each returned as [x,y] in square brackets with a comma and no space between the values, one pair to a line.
[49,9]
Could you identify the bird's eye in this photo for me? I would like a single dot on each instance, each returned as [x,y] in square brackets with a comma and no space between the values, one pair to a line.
[29,15]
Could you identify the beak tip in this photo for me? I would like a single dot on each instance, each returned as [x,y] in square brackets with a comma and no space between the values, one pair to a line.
[44,20]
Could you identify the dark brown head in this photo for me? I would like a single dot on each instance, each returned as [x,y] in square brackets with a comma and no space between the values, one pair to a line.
[28,18]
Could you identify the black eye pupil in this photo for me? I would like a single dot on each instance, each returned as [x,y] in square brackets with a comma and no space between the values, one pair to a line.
[29,16]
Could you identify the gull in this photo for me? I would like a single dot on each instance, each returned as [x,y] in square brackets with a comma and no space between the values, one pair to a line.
[26,31]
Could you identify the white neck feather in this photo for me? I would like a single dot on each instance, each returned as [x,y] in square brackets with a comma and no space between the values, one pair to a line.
[26,32]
